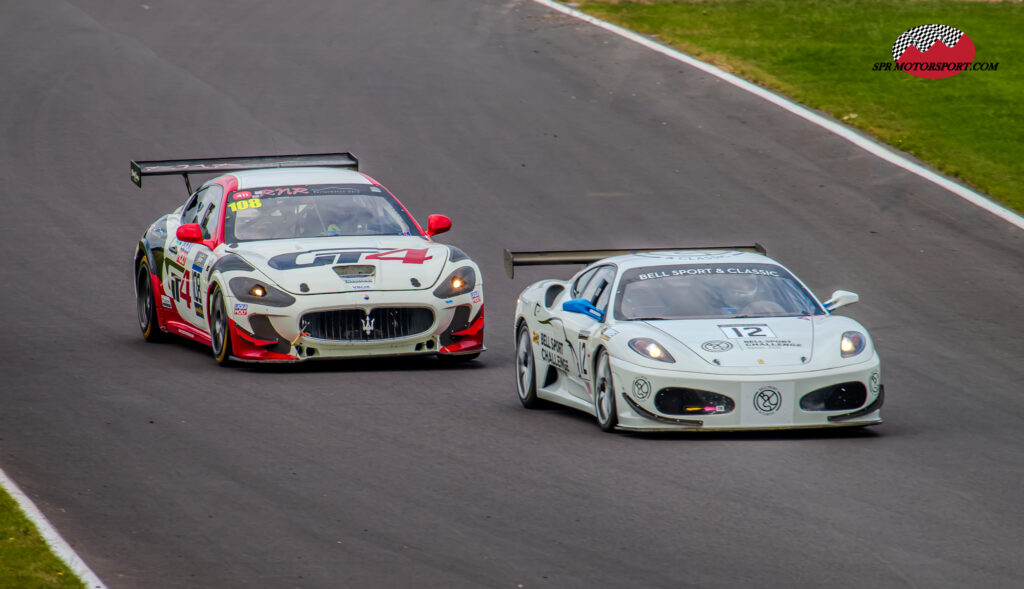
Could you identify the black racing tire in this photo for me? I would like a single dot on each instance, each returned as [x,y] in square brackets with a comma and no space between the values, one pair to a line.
[605,407]
[146,304]
[526,370]
[220,327]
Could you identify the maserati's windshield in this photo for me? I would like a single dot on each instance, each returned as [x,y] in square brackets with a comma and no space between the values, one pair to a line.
[282,212]
[711,291]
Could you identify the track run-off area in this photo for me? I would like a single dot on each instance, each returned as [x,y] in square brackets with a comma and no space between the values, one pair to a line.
[531,129]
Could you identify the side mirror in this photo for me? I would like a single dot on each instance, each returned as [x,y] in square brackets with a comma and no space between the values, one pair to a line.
[437,224]
[841,298]
[190,232]
[583,306]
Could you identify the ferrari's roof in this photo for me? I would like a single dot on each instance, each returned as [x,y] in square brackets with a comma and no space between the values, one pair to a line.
[297,176]
[673,258]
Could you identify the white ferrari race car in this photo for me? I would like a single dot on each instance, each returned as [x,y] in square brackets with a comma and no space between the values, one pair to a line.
[691,339]
[289,258]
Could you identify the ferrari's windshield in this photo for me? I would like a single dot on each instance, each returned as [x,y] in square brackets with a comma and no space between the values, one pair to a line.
[711,291]
[282,212]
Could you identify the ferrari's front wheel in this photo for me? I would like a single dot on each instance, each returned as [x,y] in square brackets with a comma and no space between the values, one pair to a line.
[604,394]
[526,373]
[220,331]
[146,303]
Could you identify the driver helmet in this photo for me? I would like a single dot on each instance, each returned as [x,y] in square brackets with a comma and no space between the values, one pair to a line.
[736,290]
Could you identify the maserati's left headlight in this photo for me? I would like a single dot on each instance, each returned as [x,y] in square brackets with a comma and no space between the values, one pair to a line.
[852,343]
[460,281]
[250,290]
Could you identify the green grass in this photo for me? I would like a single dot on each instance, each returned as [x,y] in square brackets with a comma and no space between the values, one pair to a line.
[821,54]
[25,560]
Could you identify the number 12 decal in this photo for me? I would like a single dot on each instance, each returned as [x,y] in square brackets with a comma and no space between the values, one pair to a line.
[410,256]
[740,331]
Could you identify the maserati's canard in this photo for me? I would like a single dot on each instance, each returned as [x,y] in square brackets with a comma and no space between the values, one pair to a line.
[289,258]
[704,339]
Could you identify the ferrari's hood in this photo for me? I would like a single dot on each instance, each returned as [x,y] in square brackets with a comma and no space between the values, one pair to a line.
[345,264]
[764,341]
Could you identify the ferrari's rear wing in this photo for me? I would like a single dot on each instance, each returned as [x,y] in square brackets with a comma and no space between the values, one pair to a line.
[233,164]
[513,259]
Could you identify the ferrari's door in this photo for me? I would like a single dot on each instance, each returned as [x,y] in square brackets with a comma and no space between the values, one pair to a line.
[580,328]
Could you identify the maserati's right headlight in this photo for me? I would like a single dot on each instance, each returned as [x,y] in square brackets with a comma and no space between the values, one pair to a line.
[460,281]
[250,290]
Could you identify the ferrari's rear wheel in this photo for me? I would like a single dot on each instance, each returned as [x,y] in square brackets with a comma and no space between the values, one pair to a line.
[604,395]
[220,332]
[146,303]
[526,371]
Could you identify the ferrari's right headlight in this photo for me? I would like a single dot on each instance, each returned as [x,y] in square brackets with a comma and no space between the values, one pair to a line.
[649,348]
[852,343]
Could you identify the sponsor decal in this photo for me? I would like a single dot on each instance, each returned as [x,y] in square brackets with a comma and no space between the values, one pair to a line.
[450,301]
[358,281]
[242,195]
[716,269]
[166,301]
[183,249]
[200,261]
[770,344]
[475,296]
[552,351]
[241,309]
[933,52]
[362,286]
[608,333]
[874,382]
[767,400]
[641,388]
[716,346]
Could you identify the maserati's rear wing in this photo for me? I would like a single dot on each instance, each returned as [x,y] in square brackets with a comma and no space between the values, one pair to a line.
[234,164]
[513,259]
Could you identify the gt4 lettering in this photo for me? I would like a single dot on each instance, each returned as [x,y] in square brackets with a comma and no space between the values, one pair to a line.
[410,256]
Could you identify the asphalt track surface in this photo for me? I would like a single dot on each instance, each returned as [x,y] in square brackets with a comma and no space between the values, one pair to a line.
[531,130]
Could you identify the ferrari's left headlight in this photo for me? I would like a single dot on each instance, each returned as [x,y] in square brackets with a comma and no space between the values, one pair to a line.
[250,290]
[645,346]
[461,281]
[853,343]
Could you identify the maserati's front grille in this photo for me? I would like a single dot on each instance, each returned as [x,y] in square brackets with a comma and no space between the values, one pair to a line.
[354,325]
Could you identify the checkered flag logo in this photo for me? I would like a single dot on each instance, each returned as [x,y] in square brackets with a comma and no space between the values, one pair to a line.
[923,37]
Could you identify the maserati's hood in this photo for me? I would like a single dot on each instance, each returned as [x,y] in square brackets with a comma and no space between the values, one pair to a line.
[764,341]
[345,264]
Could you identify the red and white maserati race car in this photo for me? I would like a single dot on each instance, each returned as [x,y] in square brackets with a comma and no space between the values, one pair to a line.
[297,257]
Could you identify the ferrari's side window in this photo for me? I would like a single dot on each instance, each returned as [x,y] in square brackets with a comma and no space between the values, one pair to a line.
[581,283]
[606,293]
[599,285]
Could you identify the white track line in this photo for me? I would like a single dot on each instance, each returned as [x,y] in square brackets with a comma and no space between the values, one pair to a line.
[50,535]
[860,141]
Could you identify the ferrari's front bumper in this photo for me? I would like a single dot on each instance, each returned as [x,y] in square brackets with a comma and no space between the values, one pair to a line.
[747,402]
[273,334]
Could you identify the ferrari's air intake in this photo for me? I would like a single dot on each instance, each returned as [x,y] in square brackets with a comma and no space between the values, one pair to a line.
[682,401]
[843,396]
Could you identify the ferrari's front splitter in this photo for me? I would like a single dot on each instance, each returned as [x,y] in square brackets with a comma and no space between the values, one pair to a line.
[758,402]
